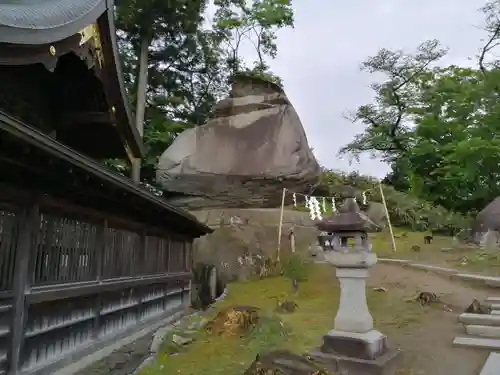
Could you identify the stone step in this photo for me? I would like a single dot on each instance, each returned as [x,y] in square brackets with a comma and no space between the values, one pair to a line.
[479,319]
[479,343]
[495,312]
[488,280]
[492,365]
[495,306]
[483,331]
[492,299]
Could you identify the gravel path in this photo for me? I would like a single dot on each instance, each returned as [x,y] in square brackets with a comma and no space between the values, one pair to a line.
[428,349]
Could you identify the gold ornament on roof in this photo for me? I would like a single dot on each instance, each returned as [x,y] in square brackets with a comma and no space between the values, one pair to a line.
[52,50]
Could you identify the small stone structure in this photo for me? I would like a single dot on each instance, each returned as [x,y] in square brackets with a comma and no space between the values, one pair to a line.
[353,346]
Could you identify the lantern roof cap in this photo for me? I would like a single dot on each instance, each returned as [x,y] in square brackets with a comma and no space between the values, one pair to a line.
[349,217]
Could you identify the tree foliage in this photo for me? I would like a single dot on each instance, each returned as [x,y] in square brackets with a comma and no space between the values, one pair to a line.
[405,210]
[191,60]
[437,126]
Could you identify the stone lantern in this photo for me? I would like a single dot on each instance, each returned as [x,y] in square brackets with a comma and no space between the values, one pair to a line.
[353,345]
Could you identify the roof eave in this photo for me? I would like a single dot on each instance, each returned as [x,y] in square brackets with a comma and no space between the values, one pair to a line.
[41,140]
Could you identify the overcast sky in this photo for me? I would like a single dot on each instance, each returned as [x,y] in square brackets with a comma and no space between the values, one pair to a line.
[319,60]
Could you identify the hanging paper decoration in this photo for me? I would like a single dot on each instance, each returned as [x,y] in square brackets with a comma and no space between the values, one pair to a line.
[294,197]
[364,198]
[317,208]
[307,200]
[310,206]
[334,208]
[323,204]
[314,208]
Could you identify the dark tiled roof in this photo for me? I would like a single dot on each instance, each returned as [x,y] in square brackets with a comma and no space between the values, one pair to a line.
[42,14]
[45,21]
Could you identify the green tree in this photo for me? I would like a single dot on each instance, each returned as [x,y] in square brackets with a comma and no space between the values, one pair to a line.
[450,152]
[438,127]
[237,22]
[148,24]
[189,67]
[389,118]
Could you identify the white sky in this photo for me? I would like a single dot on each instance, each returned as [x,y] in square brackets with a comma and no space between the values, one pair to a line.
[319,59]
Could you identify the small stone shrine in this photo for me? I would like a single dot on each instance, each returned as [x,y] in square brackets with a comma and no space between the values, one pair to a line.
[353,346]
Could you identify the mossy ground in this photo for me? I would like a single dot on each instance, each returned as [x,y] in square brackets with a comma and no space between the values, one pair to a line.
[441,251]
[299,331]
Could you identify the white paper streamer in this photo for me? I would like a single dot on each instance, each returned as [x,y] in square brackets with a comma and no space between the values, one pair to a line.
[307,200]
[317,208]
[364,198]
[310,205]
[314,208]
[323,204]
[294,200]
[334,208]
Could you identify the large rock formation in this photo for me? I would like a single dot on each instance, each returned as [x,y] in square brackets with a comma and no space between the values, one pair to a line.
[253,147]
[244,237]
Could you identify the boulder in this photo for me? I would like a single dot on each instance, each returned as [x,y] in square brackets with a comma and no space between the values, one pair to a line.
[376,213]
[253,148]
[237,250]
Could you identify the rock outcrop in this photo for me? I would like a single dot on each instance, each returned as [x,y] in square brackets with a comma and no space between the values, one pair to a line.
[253,147]
[243,238]
[376,213]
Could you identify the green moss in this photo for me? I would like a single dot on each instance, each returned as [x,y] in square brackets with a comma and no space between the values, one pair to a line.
[298,332]
[440,252]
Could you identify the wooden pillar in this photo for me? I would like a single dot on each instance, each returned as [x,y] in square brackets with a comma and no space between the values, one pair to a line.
[100,249]
[28,226]
[140,271]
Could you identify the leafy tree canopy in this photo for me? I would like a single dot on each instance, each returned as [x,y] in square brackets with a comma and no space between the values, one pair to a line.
[437,126]
[190,60]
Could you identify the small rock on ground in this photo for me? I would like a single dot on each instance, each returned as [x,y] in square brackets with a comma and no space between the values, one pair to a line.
[180,340]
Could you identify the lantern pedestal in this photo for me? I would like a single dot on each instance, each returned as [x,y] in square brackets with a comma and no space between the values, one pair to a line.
[353,314]
[354,345]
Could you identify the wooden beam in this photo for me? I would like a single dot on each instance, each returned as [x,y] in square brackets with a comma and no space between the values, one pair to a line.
[51,146]
[82,118]
[63,207]
[47,294]
[29,222]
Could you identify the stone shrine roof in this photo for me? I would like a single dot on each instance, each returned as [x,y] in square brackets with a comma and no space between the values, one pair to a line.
[349,218]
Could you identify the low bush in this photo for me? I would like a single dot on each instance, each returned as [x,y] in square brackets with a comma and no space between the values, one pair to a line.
[295,266]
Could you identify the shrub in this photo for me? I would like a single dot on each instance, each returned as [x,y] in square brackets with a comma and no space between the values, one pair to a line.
[295,267]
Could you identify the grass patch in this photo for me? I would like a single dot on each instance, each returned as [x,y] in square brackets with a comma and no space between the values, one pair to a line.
[298,332]
[479,261]
[440,252]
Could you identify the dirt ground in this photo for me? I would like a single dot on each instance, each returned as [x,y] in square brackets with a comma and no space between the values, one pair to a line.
[428,350]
